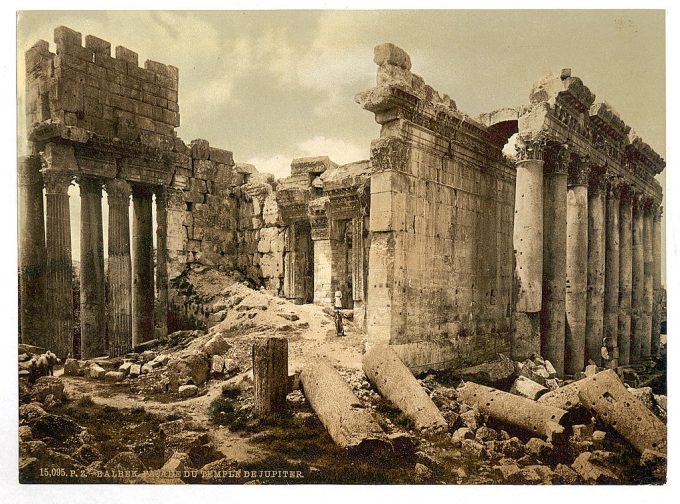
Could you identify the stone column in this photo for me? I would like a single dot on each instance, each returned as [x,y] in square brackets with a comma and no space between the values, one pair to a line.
[92,287]
[577,265]
[595,294]
[657,310]
[142,265]
[528,246]
[59,278]
[119,268]
[611,276]
[625,273]
[320,221]
[32,254]
[556,161]
[648,300]
[162,263]
[637,329]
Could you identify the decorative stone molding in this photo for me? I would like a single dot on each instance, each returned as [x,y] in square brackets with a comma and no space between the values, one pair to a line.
[118,191]
[578,170]
[556,159]
[57,181]
[597,178]
[530,149]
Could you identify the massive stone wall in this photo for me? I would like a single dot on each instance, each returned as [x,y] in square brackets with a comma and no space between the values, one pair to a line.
[441,224]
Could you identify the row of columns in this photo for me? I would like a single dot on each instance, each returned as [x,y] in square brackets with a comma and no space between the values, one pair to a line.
[587,263]
[126,315]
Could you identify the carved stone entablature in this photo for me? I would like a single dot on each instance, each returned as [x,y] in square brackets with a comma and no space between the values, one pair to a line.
[390,154]
[608,132]
[597,178]
[579,167]
[556,158]
[57,181]
[570,91]
[319,218]
[642,158]
[532,148]
[145,171]
[94,162]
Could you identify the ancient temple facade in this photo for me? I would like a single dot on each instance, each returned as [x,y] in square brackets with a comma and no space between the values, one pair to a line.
[441,245]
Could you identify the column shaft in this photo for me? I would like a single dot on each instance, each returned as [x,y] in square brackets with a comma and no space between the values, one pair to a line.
[32,254]
[595,294]
[637,299]
[625,275]
[528,246]
[657,310]
[162,263]
[611,278]
[648,300]
[554,257]
[119,269]
[59,278]
[577,266]
[92,286]
[142,266]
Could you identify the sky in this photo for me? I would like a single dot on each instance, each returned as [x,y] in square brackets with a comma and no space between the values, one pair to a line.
[274,85]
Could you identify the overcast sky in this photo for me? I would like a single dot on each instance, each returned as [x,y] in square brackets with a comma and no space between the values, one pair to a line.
[271,86]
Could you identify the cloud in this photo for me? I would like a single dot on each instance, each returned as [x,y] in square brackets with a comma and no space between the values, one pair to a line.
[338,150]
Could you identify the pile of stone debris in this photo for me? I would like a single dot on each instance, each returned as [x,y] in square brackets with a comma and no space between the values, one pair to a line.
[180,366]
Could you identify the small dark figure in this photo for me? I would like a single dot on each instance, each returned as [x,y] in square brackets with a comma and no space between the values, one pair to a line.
[52,360]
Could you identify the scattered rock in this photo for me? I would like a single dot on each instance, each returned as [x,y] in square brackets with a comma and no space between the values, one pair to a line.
[588,468]
[178,462]
[422,473]
[484,434]
[125,461]
[474,448]
[488,373]
[566,474]
[25,433]
[97,372]
[645,396]
[591,370]
[217,365]
[216,345]
[125,368]
[114,376]
[71,367]
[538,448]
[461,434]
[471,419]
[88,454]
[654,461]
[512,447]
[188,390]
[31,411]
[47,385]
[508,472]
[135,370]
[530,389]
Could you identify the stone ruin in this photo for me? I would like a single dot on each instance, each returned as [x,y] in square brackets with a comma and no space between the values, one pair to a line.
[443,247]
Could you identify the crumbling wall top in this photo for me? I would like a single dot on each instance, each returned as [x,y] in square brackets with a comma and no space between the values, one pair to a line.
[318,164]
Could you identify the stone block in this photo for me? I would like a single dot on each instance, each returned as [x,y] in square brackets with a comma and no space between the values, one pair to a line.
[71,367]
[135,370]
[200,149]
[97,372]
[525,387]
[221,156]
[125,54]
[125,367]
[188,390]
[392,55]
[114,376]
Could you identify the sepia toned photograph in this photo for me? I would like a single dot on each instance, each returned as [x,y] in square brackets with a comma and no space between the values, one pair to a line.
[291,247]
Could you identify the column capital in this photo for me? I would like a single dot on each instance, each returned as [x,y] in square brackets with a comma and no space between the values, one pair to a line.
[626,193]
[57,181]
[556,158]
[530,149]
[89,185]
[578,170]
[638,199]
[597,178]
[118,191]
[614,186]
[657,210]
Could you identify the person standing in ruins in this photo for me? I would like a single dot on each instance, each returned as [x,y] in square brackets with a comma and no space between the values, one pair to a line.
[339,329]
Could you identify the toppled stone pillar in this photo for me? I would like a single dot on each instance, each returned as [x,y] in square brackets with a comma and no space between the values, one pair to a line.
[528,246]
[395,382]
[349,423]
[577,265]
[611,277]
[657,314]
[556,161]
[119,268]
[637,329]
[607,396]
[92,286]
[59,278]
[142,266]
[514,410]
[161,318]
[32,260]
[270,376]
[595,292]
[625,273]
[648,300]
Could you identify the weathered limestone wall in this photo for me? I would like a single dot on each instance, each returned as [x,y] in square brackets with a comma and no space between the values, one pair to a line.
[440,261]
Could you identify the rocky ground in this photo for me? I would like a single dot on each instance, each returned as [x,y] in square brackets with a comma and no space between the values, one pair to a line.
[180,411]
